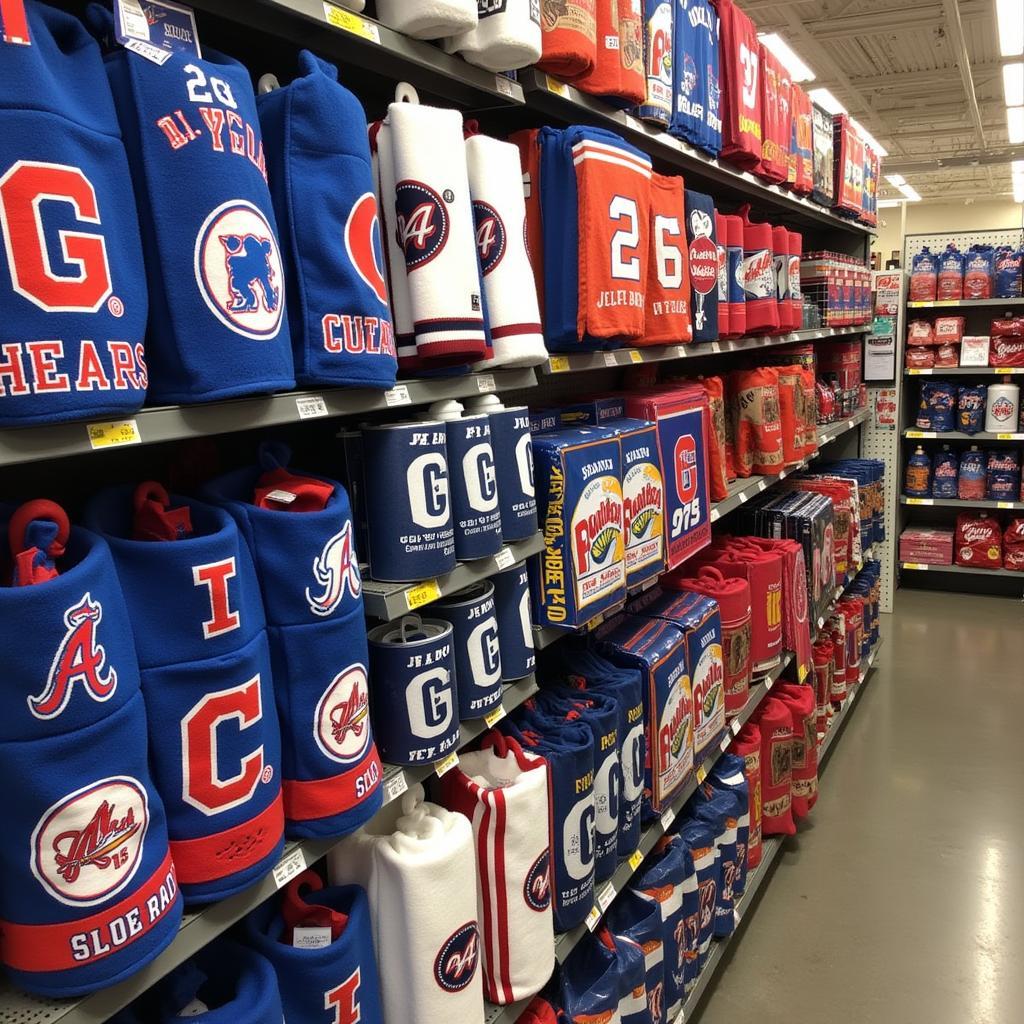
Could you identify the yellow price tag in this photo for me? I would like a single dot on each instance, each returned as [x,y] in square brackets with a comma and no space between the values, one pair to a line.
[915,433]
[350,22]
[446,764]
[913,373]
[636,858]
[702,774]
[593,918]
[495,716]
[113,435]
[635,357]
[1004,437]
[1004,504]
[1003,369]
[423,593]
[914,565]
[559,364]
[920,501]
[557,87]
[945,302]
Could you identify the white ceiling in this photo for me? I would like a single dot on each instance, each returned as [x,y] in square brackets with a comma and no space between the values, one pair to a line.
[899,68]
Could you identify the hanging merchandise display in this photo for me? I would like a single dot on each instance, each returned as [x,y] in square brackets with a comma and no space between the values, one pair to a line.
[696,75]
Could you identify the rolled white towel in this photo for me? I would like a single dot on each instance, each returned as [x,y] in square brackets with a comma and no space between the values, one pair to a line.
[507,36]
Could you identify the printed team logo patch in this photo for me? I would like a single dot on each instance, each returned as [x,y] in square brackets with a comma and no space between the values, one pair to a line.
[88,846]
[79,659]
[537,888]
[491,239]
[456,960]
[238,270]
[363,245]
[343,717]
[707,891]
[422,220]
[688,81]
[336,571]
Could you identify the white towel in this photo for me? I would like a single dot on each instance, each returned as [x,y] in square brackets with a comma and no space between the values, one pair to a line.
[423,903]
[428,19]
[503,791]
[398,281]
[499,211]
[434,218]
[507,37]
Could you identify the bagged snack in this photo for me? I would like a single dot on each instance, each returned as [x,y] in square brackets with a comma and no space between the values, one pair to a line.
[937,405]
[1002,475]
[950,281]
[949,329]
[970,417]
[920,357]
[979,541]
[924,271]
[920,332]
[947,355]
[978,272]
[971,477]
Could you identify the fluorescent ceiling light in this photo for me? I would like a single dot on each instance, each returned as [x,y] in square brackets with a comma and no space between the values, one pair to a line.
[825,99]
[1013,83]
[1017,167]
[1018,192]
[869,138]
[896,180]
[911,193]
[885,203]
[1015,125]
[776,45]
[1010,15]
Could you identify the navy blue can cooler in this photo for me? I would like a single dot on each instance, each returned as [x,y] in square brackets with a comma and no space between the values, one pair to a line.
[513,460]
[408,503]
[477,654]
[413,696]
[473,479]
[515,626]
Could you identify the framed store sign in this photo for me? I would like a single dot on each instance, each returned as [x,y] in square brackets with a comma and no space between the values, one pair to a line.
[880,350]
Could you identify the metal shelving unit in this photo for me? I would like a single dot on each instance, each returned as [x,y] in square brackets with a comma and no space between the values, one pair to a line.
[967,570]
[956,435]
[564,363]
[202,927]
[387,601]
[178,422]
[966,303]
[957,503]
[962,371]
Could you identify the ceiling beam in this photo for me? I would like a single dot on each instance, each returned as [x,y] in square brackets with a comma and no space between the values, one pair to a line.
[933,165]
[955,29]
[930,79]
[897,20]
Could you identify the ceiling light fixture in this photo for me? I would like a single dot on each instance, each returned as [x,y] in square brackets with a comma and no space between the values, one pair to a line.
[1013,83]
[896,180]
[886,203]
[825,99]
[1015,125]
[911,194]
[1010,17]
[869,138]
[787,56]
[1018,192]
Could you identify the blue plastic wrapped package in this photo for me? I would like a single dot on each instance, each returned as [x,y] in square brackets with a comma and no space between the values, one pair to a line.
[970,408]
[1007,272]
[944,473]
[1002,475]
[936,410]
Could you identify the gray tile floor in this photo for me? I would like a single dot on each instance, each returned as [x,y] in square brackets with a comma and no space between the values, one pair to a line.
[901,901]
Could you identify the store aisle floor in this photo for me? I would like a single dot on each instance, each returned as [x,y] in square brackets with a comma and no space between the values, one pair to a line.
[899,902]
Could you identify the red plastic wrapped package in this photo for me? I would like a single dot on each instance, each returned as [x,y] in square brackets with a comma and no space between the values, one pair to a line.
[802,709]
[780,260]
[759,282]
[947,355]
[717,468]
[764,571]
[776,117]
[823,655]
[801,157]
[949,330]
[978,542]
[791,413]
[741,98]
[853,612]
[796,622]
[776,726]
[810,410]
[1013,546]
[920,332]
[795,300]
[757,421]
[920,357]
[849,166]
[835,630]
[748,746]
[1006,347]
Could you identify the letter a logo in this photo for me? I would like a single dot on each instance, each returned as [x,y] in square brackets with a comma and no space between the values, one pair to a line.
[79,659]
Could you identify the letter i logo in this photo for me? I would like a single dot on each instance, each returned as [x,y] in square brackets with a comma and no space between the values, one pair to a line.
[344,1000]
[214,576]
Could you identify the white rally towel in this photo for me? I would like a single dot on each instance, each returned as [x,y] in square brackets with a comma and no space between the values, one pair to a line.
[428,19]
[398,281]
[423,903]
[499,213]
[507,37]
[503,791]
[434,220]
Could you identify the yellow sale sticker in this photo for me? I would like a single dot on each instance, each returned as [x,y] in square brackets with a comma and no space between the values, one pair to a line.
[113,435]
[423,593]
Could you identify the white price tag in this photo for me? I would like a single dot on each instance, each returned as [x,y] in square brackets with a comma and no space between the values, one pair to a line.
[743,496]
[311,938]
[734,727]
[715,347]
[398,395]
[485,382]
[311,407]
[157,54]
[504,558]
[667,817]
[715,515]
[395,785]
[504,85]
[290,865]
[726,740]
[609,359]
[761,485]
[605,897]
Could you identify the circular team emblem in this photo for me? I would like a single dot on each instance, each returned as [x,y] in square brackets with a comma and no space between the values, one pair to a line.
[422,222]
[703,265]
[363,245]
[1002,409]
[88,846]
[491,241]
[343,717]
[455,963]
[238,270]
[537,888]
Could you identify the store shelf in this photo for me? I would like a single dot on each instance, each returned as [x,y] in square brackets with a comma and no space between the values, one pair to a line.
[607,892]
[957,503]
[177,422]
[663,353]
[558,100]
[356,41]
[835,723]
[387,601]
[965,303]
[740,492]
[198,929]
[962,371]
[956,435]
[771,847]
[968,570]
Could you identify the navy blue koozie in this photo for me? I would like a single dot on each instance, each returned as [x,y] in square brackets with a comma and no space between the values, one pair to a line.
[513,460]
[473,479]
[701,237]
[591,987]
[633,917]
[415,705]
[410,535]
[515,625]
[471,612]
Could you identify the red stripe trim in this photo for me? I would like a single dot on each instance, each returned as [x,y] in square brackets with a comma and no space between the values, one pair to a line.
[48,947]
[501,891]
[209,858]
[482,843]
[15,20]
[321,798]
[514,330]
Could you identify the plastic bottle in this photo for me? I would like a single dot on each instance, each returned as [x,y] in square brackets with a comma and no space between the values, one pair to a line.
[919,472]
